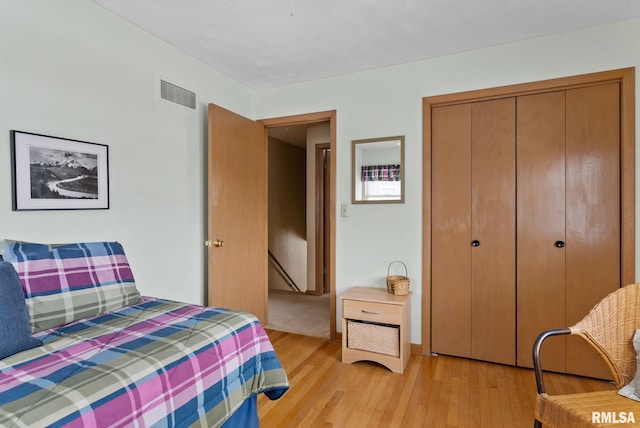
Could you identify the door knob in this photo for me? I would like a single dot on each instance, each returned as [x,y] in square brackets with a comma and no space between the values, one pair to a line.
[559,244]
[475,243]
[216,243]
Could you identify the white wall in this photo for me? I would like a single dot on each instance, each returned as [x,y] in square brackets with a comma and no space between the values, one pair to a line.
[389,102]
[72,69]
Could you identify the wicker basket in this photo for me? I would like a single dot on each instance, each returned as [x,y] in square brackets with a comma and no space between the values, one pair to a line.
[398,284]
[380,338]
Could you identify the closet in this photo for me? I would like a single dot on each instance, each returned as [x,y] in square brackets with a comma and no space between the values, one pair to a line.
[568,214]
[473,232]
[525,221]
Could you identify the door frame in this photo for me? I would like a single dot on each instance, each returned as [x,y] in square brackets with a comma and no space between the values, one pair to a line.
[626,78]
[308,119]
[321,213]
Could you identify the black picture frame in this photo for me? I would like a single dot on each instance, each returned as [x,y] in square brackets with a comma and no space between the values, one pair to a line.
[53,173]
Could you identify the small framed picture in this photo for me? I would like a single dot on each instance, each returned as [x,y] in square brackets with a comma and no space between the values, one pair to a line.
[52,173]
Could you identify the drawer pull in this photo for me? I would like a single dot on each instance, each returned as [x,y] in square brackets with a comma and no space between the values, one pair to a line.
[364,311]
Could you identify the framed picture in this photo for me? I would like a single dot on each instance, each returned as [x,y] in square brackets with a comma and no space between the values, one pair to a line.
[51,173]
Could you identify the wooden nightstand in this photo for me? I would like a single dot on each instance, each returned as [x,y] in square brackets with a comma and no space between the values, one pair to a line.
[376,326]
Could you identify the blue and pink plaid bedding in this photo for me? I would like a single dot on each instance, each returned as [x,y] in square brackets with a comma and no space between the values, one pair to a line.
[156,363]
[69,282]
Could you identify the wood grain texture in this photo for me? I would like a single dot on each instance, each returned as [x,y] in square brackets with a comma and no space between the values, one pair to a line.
[237,212]
[540,223]
[451,231]
[626,79]
[593,209]
[493,225]
[433,391]
[378,306]
[473,185]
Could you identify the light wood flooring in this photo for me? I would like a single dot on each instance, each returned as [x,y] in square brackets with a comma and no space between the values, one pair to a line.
[432,392]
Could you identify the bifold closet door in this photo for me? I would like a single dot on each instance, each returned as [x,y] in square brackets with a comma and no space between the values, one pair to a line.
[541,225]
[493,231]
[473,230]
[593,210]
[451,230]
[568,223]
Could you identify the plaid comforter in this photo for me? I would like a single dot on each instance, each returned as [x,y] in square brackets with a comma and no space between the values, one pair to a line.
[156,363]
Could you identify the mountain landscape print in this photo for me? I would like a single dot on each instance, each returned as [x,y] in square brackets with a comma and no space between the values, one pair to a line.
[62,174]
[55,173]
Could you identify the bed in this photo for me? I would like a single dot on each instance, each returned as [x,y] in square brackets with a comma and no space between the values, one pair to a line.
[99,354]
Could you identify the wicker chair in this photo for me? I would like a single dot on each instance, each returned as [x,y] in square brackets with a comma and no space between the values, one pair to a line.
[609,328]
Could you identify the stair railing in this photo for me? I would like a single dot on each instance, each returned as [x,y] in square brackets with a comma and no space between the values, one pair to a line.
[284,273]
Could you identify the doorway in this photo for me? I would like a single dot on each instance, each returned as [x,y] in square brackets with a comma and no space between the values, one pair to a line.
[237,210]
[299,228]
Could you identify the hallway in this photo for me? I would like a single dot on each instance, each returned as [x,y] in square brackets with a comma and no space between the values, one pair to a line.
[299,313]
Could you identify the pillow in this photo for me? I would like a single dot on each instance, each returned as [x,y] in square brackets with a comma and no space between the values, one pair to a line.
[68,282]
[15,333]
[632,390]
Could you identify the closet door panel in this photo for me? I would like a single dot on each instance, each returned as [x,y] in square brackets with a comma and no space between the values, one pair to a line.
[593,206]
[493,228]
[451,230]
[540,225]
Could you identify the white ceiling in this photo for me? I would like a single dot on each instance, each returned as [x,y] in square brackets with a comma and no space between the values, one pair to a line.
[269,43]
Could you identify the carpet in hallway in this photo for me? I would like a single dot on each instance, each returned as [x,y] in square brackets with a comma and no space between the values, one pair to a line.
[299,313]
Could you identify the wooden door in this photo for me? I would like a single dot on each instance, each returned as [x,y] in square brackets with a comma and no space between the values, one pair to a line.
[451,230]
[540,224]
[568,218]
[237,195]
[473,199]
[493,231]
[593,209]
[598,181]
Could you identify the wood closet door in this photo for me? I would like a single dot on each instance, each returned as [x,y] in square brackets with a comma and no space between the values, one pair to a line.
[493,262]
[473,199]
[451,230]
[593,210]
[568,192]
[540,224]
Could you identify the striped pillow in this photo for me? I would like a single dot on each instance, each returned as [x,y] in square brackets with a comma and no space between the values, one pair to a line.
[68,282]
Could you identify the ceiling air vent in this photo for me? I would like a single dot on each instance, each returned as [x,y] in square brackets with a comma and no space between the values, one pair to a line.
[178,95]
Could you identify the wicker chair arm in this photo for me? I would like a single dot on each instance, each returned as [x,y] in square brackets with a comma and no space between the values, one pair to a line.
[537,367]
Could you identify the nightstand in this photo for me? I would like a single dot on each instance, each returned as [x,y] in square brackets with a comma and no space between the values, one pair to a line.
[376,326]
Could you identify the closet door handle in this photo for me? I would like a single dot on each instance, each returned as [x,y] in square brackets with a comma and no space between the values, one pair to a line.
[475,243]
[559,244]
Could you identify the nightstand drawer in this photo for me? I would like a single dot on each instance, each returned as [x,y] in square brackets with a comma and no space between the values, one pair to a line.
[372,311]
[380,338]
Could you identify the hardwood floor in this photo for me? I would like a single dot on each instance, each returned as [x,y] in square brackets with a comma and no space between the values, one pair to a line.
[432,392]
